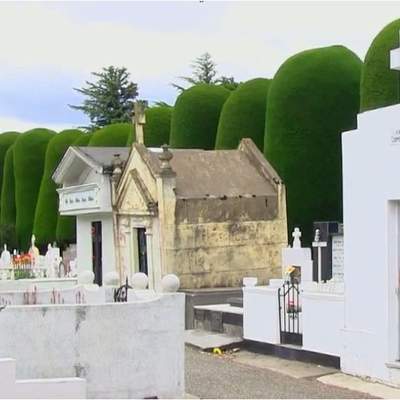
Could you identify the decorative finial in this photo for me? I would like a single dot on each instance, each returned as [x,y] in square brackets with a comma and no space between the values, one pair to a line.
[165,157]
[116,167]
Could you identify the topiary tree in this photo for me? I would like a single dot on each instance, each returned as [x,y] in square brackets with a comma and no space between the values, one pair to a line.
[379,84]
[29,156]
[195,116]
[6,140]
[82,140]
[115,135]
[46,214]
[157,127]
[66,225]
[313,98]
[243,115]
[8,207]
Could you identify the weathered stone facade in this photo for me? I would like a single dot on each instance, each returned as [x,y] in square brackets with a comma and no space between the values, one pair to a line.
[211,217]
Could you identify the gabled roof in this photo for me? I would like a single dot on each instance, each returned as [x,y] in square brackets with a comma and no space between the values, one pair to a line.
[97,158]
[243,172]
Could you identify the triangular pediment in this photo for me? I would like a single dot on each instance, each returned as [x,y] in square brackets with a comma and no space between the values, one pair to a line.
[134,198]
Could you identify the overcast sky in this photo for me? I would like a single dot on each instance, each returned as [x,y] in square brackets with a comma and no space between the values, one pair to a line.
[46,49]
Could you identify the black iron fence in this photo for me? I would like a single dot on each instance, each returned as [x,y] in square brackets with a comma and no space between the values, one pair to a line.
[290,314]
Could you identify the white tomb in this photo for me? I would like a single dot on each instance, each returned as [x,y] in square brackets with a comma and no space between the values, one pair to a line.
[298,256]
[371,206]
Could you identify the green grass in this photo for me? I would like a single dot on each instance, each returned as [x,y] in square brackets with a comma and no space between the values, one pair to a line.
[313,98]
[243,115]
[195,116]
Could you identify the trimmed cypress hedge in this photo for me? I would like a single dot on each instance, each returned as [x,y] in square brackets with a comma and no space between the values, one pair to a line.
[46,214]
[29,156]
[6,140]
[243,115]
[66,225]
[157,127]
[8,207]
[195,116]
[313,98]
[379,84]
[82,140]
[114,135]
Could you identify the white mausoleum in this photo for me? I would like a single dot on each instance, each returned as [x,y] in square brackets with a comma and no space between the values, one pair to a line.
[85,176]
[371,206]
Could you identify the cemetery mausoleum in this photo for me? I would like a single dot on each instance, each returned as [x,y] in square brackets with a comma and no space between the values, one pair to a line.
[211,217]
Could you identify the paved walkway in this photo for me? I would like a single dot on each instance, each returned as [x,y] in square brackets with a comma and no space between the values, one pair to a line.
[247,375]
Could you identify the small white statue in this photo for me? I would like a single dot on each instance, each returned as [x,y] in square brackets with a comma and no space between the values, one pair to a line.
[5,258]
[49,262]
[73,270]
[317,236]
[34,252]
[296,238]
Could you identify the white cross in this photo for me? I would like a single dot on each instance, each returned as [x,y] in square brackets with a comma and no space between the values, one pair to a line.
[318,244]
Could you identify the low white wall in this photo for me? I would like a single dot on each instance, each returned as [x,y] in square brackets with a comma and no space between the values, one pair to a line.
[323,322]
[80,294]
[10,388]
[42,283]
[261,314]
[123,350]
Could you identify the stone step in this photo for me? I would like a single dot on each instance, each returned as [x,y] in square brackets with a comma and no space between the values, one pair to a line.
[219,318]
[206,340]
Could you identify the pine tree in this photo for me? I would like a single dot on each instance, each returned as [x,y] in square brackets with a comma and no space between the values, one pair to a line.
[204,71]
[109,99]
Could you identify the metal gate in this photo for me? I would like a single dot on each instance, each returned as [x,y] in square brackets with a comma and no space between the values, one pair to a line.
[290,314]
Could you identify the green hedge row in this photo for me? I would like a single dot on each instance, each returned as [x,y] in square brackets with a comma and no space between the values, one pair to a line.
[29,157]
[46,214]
[313,98]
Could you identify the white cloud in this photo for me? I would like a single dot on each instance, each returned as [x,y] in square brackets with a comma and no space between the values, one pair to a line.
[246,39]
[19,125]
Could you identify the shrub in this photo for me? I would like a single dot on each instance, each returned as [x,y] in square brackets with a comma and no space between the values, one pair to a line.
[195,116]
[82,140]
[243,115]
[29,156]
[156,130]
[8,207]
[313,98]
[379,84]
[6,140]
[46,214]
[115,135]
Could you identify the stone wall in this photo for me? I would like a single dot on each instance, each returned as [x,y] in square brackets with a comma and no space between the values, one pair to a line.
[221,254]
[123,350]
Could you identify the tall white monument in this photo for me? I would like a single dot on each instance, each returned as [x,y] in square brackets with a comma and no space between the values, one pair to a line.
[371,211]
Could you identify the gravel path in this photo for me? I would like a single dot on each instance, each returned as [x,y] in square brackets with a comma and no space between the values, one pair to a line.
[211,376]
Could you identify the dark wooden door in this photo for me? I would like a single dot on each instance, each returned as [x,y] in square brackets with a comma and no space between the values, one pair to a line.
[142,250]
[97,252]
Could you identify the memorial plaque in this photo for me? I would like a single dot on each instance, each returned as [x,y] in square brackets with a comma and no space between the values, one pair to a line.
[338,258]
